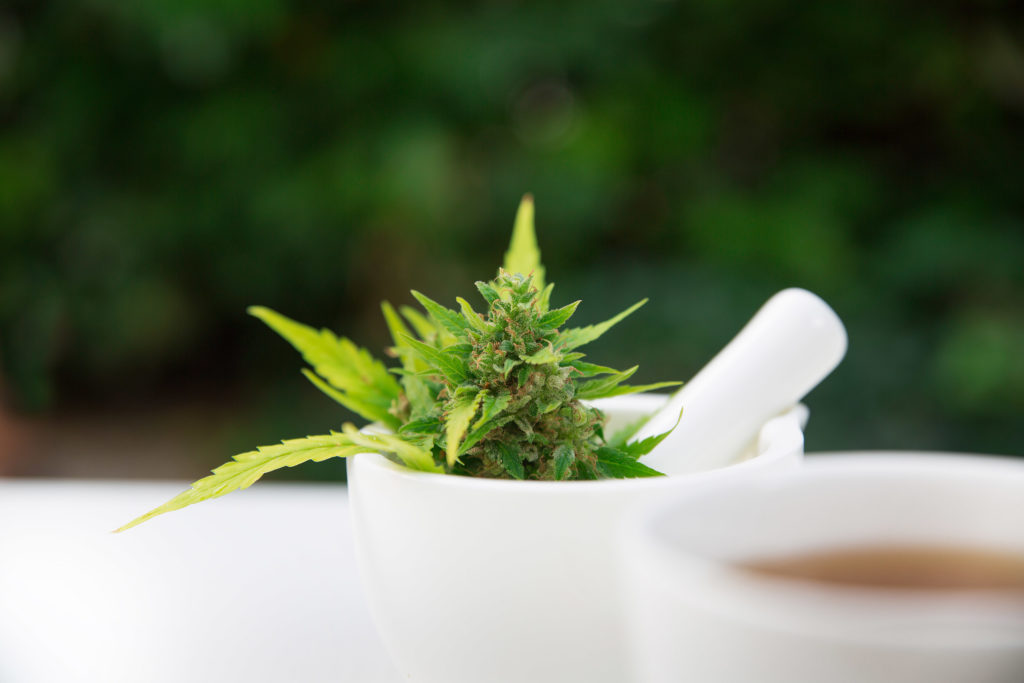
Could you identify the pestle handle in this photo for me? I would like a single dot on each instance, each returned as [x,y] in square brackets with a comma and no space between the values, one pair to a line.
[792,343]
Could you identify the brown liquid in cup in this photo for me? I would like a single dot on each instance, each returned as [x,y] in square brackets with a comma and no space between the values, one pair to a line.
[902,567]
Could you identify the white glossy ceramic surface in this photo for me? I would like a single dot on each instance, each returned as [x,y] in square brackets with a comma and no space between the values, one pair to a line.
[477,580]
[792,343]
[695,617]
[258,587]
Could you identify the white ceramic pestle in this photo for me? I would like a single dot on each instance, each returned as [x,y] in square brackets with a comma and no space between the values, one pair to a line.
[786,349]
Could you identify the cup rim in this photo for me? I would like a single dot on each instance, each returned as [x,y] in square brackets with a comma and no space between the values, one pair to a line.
[778,438]
[642,539]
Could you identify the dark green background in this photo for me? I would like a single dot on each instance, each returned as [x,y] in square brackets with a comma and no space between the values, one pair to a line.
[164,164]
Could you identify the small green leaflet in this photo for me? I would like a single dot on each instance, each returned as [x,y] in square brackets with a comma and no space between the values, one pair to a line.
[424,425]
[447,364]
[399,332]
[461,350]
[245,468]
[509,366]
[395,325]
[587,471]
[445,317]
[483,430]
[614,463]
[545,355]
[617,459]
[557,317]
[471,316]
[591,370]
[545,298]
[416,389]
[578,336]
[492,405]
[596,388]
[623,389]
[462,412]
[563,458]
[612,386]
[424,328]
[645,446]
[548,406]
[512,460]
[620,460]
[523,255]
[489,293]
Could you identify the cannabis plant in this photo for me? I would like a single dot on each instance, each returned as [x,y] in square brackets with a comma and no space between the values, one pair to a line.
[500,393]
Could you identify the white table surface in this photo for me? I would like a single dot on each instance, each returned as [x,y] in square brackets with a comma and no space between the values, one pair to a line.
[258,586]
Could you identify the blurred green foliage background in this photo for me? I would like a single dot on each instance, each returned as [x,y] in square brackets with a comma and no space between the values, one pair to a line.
[164,164]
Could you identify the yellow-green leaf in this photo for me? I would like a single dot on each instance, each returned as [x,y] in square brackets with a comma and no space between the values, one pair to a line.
[457,423]
[559,317]
[443,316]
[612,462]
[523,255]
[399,331]
[637,448]
[370,411]
[545,355]
[624,389]
[413,456]
[425,328]
[415,388]
[343,364]
[578,336]
[244,469]
[544,301]
[471,316]
[563,456]
[596,388]
[492,405]
[448,364]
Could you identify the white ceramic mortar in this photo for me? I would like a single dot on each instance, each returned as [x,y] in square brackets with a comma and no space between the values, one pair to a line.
[472,580]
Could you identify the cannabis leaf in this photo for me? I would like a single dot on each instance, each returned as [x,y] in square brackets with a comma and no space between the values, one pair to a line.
[445,317]
[417,392]
[558,317]
[619,438]
[620,459]
[463,408]
[242,471]
[360,382]
[451,366]
[611,386]
[578,336]
[612,462]
[523,255]
[413,456]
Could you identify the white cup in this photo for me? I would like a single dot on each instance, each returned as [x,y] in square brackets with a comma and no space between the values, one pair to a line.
[696,615]
[489,581]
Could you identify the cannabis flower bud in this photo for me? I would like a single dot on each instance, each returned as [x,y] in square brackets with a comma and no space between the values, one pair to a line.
[501,395]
